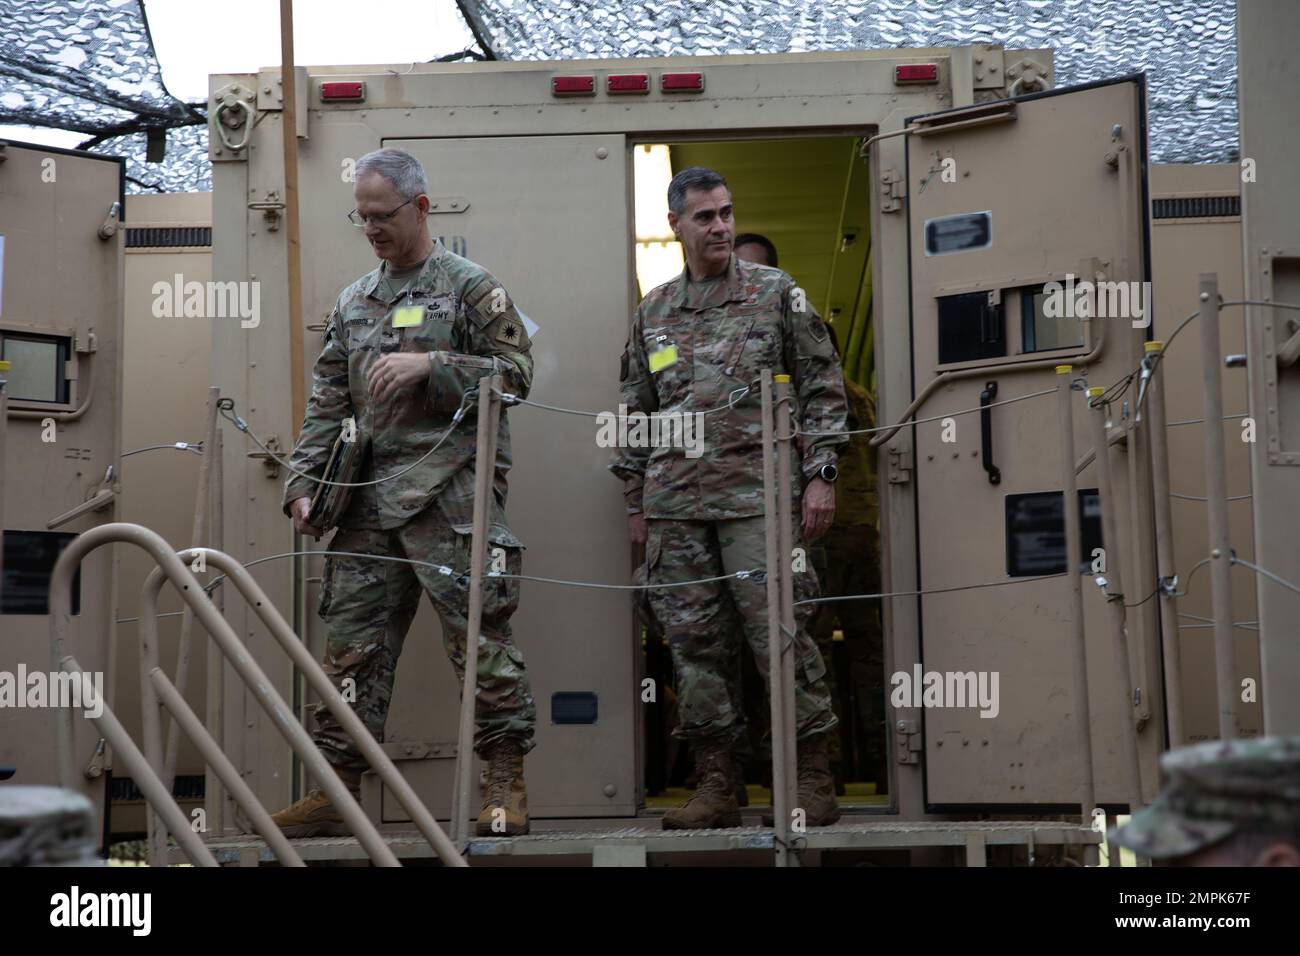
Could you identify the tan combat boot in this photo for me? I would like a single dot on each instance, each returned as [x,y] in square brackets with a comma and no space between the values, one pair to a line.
[738,779]
[713,805]
[505,801]
[816,795]
[314,814]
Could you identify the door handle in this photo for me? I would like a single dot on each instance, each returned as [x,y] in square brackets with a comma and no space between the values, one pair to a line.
[986,432]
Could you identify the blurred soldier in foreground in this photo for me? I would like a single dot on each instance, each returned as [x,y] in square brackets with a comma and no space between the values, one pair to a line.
[696,343]
[1224,803]
[402,346]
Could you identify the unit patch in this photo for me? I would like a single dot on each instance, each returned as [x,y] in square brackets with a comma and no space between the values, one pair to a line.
[510,332]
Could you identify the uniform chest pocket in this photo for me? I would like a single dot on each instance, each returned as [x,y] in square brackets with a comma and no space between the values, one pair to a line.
[437,328]
[361,333]
[755,345]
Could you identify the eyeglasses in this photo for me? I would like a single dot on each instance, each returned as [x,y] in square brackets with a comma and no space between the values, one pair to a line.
[380,218]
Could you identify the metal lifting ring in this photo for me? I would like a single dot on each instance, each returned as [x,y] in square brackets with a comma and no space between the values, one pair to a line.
[248,125]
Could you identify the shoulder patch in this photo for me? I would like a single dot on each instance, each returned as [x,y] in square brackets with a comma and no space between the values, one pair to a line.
[510,332]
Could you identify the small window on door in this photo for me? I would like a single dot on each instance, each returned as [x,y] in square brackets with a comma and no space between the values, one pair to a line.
[971,328]
[37,367]
[1040,332]
[1036,532]
[29,558]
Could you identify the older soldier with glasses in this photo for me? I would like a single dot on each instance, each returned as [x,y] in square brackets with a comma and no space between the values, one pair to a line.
[694,342]
[403,345]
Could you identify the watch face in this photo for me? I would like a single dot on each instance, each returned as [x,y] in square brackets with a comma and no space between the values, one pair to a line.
[829,472]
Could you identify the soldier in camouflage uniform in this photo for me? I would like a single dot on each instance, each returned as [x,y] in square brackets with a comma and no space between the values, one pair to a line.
[402,346]
[1224,803]
[694,342]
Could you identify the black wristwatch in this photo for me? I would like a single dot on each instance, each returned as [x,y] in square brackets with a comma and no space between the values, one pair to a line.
[828,473]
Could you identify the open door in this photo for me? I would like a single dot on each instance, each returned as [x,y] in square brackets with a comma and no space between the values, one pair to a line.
[548,216]
[61,333]
[1012,205]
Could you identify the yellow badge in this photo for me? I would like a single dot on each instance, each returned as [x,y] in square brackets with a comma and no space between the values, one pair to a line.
[662,358]
[408,315]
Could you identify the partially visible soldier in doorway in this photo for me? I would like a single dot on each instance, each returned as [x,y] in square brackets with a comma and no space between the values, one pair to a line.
[402,346]
[1224,803]
[695,342]
[847,561]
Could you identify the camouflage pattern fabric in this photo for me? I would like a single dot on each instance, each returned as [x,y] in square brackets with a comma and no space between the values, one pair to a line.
[698,627]
[1212,791]
[466,314]
[725,333]
[368,607]
[742,747]
[466,319]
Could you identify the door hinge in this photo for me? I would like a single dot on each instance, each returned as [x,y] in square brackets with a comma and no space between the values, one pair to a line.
[891,190]
[900,466]
[909,741]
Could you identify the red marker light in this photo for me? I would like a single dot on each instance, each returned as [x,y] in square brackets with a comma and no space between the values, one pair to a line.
[573,85]
[342,91]
[681,82]
[627,83]
[917,73]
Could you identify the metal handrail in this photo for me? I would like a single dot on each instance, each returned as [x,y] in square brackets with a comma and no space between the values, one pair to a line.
[107,723]
[281,715]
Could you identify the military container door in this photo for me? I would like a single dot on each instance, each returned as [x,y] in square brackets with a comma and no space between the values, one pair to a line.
[548,216]
[60,332]
[1026,217]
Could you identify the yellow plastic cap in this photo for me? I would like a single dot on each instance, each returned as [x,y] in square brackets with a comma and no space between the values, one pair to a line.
[1064,369]
[4,365]
[1096,391]
[1153,346]
[781,379]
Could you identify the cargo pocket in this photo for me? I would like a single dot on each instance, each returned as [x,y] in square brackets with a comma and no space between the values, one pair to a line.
[810,659]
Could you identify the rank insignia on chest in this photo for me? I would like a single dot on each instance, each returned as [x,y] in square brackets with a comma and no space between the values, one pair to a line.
[408,315]
[663,357]
[510,332]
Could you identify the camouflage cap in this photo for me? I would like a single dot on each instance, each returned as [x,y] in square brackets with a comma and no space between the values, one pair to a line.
[1214,790]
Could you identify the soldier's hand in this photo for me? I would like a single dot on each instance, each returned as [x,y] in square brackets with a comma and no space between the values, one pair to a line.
[818,508]
[636,529]
[396,371]
[299,508]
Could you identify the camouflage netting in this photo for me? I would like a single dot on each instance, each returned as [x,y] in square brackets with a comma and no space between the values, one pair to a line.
[89,65]
[1186,47]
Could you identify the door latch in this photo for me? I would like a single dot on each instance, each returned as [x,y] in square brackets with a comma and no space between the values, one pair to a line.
[272,466]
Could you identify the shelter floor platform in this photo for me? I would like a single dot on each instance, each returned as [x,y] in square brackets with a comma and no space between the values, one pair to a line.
[633,841]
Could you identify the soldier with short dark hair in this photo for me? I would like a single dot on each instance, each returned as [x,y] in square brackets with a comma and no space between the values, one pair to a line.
[1224,803]
[403,344]
[695,343]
